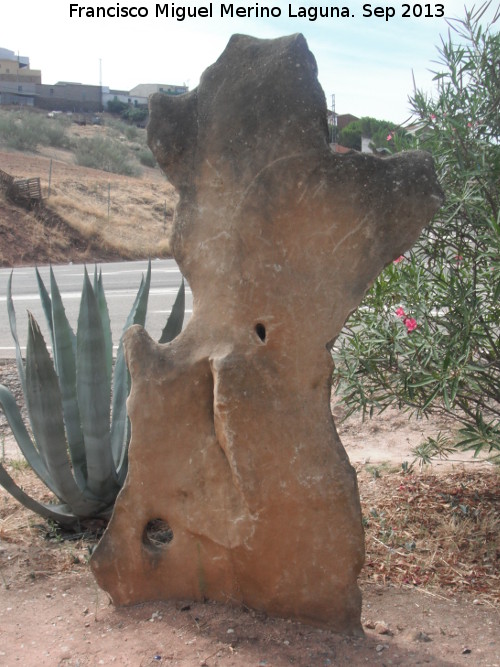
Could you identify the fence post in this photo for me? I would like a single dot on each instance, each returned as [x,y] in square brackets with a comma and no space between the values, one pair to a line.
[50,177]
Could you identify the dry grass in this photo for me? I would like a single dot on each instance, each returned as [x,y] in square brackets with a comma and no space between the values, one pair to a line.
[434,532]
[32,548]
[128,215]
[134,223]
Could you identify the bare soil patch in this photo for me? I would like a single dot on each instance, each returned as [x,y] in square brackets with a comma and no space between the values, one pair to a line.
[431,586]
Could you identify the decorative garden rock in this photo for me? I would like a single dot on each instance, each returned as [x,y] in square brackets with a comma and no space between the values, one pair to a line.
[233,442]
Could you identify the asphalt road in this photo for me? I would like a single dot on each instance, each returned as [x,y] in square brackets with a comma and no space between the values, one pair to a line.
[121,282]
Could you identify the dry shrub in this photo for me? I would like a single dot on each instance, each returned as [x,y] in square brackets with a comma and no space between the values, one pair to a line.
[434,531]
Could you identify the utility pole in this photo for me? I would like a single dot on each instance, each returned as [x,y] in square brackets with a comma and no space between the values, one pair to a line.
[101,106]
[334,122]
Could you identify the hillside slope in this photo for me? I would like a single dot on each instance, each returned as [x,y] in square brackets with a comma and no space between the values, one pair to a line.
[29,237]
[88,213]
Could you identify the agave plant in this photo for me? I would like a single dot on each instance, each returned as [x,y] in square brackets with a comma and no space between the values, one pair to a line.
[76,403]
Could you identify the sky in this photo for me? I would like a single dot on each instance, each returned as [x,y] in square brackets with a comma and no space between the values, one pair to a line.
[367,62]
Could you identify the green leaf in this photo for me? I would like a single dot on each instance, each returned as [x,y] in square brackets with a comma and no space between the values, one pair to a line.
[13,330]
[119,422]
[106,322]
[496,294]
[46,302]
[120,427]
[64,348]
[94,394]
[174,323]
[43,400]
[140,307]
[62,514]
[431,399]
[424,382]
[25,444]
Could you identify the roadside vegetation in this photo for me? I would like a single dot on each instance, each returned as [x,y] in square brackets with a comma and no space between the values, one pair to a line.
[384,136]
[102,180]
[120,148]
[427,336]
[106,154]
[24,130]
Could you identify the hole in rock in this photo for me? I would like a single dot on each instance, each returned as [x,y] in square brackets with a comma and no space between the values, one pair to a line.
[157,534]
[260,330]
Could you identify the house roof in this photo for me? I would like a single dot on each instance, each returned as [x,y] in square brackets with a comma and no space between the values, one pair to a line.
[337,148]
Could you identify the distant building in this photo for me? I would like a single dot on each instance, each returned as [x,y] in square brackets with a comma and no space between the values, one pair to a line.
[337,148]
[139,96]
[6,54]
[344,119]
[17,80]
[109,95]
[147,89]
[366,145]
[69,96]
[21,85]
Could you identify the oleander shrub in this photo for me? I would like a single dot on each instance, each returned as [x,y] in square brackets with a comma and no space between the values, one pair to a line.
[427,336]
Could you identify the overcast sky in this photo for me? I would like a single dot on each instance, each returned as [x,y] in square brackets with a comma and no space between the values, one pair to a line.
[366,61]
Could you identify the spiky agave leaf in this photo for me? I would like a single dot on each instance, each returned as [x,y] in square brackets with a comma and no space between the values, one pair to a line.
[46,304]
[120,427]
[175,320]
[106,322]
[28,449]
[13,330]
[64,347]
[94,396]
[140,307]
[43,400]
[60,513]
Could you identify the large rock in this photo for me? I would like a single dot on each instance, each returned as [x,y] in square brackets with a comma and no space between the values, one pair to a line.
[233,442]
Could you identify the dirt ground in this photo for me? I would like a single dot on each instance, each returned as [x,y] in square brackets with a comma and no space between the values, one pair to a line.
[52,612]
[63,619]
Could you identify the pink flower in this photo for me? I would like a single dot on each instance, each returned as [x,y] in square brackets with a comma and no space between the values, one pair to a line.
[410,324]
[389,137]
[398,259]
[400,312]
[433,116]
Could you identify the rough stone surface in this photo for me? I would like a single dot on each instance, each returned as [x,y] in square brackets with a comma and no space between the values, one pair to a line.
[233,442]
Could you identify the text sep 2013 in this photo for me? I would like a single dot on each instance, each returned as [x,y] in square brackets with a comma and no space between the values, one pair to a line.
[231,10]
